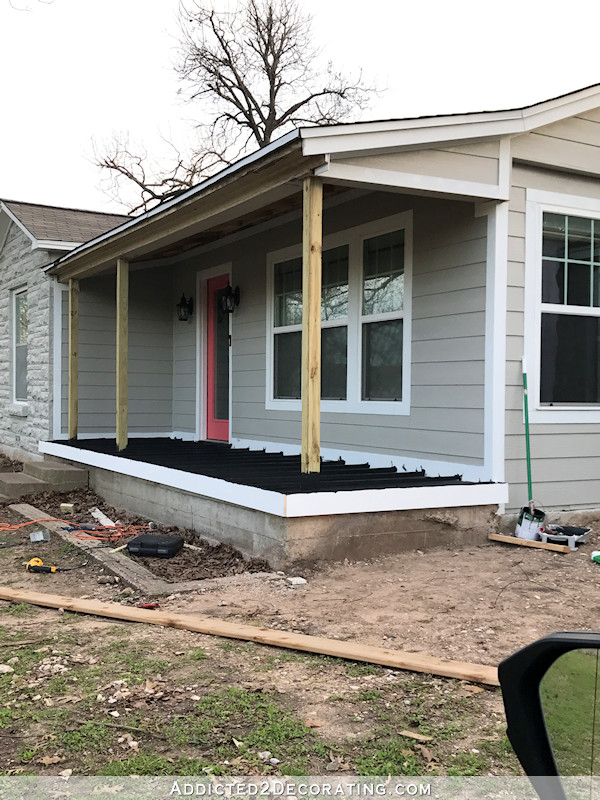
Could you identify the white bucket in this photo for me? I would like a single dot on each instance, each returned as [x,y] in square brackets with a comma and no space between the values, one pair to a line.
[528,526]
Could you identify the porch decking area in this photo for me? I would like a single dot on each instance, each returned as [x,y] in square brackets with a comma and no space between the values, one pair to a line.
[273,472]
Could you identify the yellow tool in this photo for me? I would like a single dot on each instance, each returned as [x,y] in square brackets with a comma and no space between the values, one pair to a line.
[37,565]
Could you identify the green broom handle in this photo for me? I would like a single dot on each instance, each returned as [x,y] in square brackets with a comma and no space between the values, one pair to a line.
[527,445]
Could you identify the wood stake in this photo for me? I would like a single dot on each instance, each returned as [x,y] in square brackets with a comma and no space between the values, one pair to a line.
[122,350]
[312,238]
[73,356]
[354,651]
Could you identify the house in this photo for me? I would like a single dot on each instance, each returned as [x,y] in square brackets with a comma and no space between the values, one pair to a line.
[451,247]
[31,237]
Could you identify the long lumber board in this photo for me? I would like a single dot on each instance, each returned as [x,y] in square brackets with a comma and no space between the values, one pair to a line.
[478,673]
[558,548]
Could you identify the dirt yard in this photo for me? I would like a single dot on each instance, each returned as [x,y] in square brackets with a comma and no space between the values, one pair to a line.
[102,697]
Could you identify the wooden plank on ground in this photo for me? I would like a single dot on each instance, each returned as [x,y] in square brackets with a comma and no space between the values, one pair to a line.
[558,548]
[354,651]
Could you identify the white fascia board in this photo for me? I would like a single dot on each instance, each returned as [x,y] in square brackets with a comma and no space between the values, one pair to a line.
[562,108]
[202,485]
[370,176]
[401,499]
[396,137]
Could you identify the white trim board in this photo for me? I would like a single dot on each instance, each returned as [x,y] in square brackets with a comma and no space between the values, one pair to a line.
[296,505]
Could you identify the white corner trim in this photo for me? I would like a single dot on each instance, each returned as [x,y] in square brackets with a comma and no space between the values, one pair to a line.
[52,244]
[295,505]
[371,176]
[495,341]
[538,201]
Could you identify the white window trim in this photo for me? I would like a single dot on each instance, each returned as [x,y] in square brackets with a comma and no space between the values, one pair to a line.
[353,237]
[537,202]
[19,402]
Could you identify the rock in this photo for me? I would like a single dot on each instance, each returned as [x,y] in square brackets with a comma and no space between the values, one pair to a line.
[127,591]
[297,581]
[5,669]
[264,755]
[108,579]
[274,761]
[13,660]
[333,766]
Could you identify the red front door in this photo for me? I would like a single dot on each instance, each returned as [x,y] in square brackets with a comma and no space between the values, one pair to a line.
[217,361]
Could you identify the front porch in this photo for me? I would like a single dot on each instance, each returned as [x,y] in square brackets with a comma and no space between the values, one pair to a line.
[257,502]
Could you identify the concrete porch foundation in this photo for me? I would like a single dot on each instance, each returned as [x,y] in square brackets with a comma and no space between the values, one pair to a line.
[287,541]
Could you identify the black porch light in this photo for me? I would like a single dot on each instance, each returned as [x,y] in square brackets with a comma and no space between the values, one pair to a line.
[185,309]
[230,298]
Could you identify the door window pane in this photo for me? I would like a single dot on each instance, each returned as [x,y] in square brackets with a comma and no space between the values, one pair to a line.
[221,409]
[569,363]
[383,274]
[382,360]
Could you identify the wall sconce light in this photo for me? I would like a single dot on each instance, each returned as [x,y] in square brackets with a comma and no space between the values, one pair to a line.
[185,309]
[230,298]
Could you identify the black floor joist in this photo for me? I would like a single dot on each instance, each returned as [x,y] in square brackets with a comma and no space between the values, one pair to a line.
[273,471]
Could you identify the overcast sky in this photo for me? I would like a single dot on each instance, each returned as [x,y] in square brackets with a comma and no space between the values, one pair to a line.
[77,70]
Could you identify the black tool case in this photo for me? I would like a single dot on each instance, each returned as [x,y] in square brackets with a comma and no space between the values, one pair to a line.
[155,545]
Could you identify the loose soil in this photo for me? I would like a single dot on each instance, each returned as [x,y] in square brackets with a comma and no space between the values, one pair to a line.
[475,604]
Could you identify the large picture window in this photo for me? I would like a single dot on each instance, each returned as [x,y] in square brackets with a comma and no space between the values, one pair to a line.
[20,327]
[365,321]
[570,318]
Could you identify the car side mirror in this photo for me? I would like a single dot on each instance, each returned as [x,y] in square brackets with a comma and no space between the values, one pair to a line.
[551,699]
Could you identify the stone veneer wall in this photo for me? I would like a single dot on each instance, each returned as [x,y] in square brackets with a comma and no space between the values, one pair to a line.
[23,425]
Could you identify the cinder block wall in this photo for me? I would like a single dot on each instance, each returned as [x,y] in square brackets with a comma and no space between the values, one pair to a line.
[23,425]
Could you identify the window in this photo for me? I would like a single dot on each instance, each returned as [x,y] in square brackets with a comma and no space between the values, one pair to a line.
[562,307]
[570,282]
[20,346]
[365,321]
[287,280]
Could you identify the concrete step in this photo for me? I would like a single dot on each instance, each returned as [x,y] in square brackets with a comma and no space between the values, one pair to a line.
[60,476]
[15,484]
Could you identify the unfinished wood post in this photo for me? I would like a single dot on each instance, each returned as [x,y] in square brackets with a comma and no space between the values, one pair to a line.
[73,356]
[122,350]
[312,239]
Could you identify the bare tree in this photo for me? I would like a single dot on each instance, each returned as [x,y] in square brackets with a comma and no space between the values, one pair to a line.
[18,7]
[256,74]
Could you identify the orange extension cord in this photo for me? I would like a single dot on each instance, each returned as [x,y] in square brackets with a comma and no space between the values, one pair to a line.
[101,533]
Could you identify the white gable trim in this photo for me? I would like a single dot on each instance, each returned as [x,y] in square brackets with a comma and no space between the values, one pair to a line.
[18,223]
[36,244]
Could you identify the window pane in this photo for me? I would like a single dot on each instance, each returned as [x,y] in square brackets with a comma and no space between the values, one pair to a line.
[21,372]
[382,360]
[554,235]
[578,284]
[334,362]
[288,292]
[569,368]
[553,282]
[383,273]
[579,238]
[21,318]
[288,352]
[334,294]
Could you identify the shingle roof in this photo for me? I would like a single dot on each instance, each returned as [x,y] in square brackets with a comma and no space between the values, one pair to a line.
[63,224]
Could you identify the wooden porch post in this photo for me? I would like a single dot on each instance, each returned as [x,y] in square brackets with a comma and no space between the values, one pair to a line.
[73,356]
[312,236]
[122,348]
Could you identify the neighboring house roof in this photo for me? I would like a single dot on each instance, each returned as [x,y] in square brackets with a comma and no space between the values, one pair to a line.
[53,227]
[322,144]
